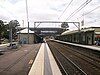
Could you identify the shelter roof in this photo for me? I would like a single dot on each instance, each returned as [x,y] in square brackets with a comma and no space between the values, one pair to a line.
[25,31]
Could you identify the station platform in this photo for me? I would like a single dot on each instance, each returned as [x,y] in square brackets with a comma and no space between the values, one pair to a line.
[97,48]
[44,63]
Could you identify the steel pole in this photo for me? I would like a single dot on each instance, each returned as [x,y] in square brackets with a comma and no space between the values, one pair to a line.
[11,37]
[27,19]
[28,32]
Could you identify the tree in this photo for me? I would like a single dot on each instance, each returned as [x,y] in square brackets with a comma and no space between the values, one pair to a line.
[64,25]
[2,28]
[13,24]
[6,32]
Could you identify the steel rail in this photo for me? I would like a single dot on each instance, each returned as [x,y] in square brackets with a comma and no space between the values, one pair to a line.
[78,68]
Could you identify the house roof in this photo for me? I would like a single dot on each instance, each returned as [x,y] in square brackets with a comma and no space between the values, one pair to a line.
[25,31]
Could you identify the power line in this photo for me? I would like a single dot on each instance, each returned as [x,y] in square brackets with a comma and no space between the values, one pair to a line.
[78,9]
[90,11]
[96,20]
[65,9]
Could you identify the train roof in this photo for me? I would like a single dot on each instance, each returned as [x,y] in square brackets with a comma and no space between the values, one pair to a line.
[88,29]
[96,29]
[69,32]
[97,32]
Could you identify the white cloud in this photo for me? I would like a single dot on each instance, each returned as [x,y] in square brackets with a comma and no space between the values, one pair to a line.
[47,10]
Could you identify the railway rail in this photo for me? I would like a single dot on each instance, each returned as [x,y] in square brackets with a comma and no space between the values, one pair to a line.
[73,61]
[18,59]
[67,69]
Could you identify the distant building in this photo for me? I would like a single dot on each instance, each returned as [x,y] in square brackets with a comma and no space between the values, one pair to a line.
[23,36]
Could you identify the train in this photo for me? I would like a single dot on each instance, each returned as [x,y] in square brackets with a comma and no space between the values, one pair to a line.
[38,38]
[86,36]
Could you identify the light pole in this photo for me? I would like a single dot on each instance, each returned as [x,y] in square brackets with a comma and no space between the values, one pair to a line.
[27,20]
[10,34]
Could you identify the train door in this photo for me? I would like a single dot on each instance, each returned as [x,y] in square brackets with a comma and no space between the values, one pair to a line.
[89,38]
[83,38]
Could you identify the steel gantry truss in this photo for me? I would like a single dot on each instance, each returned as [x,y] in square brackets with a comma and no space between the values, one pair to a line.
[57,31]
[78,26]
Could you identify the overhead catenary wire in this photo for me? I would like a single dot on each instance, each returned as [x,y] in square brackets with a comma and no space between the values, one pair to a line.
[94,21]
[65,9]
[78,9]
[89,11]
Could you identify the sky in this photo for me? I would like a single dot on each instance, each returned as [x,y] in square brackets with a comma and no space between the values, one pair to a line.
[50,10]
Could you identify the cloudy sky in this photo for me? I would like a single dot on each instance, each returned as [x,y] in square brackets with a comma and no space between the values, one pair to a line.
[50,10]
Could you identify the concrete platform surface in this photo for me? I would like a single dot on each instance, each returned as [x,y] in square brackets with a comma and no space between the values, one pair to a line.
[44,63]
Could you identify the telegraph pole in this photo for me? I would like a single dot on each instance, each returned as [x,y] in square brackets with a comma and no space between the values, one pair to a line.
[27,19]
[11,37]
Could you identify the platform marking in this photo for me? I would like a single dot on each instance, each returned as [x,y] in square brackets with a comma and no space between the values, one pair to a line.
[30,62]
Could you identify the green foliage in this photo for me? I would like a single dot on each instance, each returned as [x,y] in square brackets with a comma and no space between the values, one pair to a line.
[14,24]
[2,28]
[5,29]
[6,32]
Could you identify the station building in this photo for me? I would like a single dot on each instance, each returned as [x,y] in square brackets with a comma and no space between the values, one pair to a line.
[23,36]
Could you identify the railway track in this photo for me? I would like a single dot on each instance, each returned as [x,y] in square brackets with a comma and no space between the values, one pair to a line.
[85,64]
[19,59]
[66,65]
